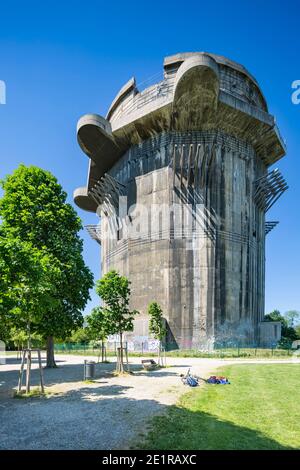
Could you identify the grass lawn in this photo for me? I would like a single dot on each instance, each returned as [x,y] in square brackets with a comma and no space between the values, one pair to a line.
[248,353]
[259,410]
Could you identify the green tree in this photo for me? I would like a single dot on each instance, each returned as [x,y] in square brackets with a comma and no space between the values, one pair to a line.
[34,210]
[18,337]
[5,327]
[114,290]
[292,317]
[288,333]
[98,326]
[81,335]
[4,330]
[26,284]
[157,324]
[275,315]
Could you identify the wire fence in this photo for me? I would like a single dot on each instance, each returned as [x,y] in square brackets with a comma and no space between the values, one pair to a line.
[151,348]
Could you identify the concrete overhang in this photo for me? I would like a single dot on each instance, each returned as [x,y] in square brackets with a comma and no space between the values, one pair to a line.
[193,100]
[177,59]
[95,138]
[82,199]
[128,88]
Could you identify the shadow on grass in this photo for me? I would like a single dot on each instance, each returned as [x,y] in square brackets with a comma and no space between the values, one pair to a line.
[183,429]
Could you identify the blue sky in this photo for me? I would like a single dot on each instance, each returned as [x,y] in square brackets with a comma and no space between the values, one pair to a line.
[60,60]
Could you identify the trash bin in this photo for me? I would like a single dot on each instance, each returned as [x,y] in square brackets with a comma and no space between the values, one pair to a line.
[89,370]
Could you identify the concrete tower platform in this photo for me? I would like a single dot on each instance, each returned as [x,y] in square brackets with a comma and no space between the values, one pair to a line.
[184,164]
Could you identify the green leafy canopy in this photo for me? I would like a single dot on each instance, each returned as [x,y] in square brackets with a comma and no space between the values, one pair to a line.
[98,324]
[114,290]
[156,322]
[43,274]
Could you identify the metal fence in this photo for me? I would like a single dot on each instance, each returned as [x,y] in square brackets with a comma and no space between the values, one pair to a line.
[151,347]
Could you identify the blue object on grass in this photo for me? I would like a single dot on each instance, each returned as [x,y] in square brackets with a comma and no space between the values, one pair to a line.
[191,381]
[218,380]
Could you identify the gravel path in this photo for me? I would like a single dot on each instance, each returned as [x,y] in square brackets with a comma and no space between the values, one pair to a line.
[109,413]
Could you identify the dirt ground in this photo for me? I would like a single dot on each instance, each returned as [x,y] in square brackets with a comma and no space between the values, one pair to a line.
[111,412]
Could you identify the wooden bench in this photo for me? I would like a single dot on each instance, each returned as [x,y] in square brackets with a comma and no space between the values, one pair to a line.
[149,364]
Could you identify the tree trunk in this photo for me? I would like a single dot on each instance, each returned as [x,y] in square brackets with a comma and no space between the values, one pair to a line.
[50,353]
[121,358]
[29,336]
[159,352]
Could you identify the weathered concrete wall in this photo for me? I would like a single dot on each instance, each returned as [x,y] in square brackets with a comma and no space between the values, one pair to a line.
[269,333]
[205,285]
[200,137]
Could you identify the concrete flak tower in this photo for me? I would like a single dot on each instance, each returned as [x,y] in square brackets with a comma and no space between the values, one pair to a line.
[178,174]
